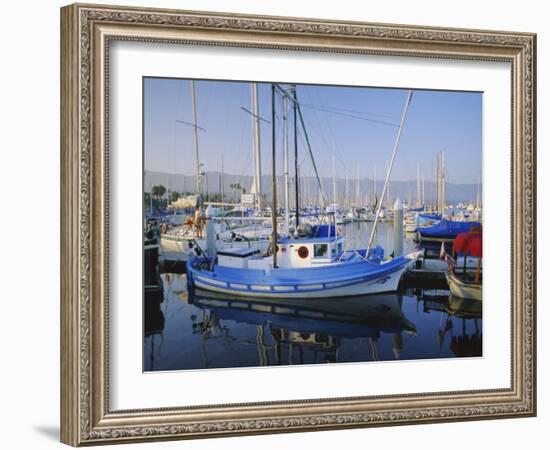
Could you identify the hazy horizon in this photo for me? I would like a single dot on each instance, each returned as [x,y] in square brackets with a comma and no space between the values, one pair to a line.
[356,126]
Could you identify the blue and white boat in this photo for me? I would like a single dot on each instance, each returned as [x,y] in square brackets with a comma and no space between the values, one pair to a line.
[313,265]
[309,262]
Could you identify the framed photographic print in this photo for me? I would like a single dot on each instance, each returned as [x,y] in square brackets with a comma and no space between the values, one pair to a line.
[278,224]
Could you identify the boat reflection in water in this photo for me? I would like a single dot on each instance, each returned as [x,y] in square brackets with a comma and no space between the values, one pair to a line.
[467,342]
[153,321]
[199,329]
[286,328]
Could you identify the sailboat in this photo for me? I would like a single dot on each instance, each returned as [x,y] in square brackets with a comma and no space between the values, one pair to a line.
[187,239]
[310,263]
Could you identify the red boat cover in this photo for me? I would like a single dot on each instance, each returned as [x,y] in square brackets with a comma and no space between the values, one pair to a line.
[469,243]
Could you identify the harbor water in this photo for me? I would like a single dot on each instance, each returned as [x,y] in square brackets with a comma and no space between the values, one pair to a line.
[199,330]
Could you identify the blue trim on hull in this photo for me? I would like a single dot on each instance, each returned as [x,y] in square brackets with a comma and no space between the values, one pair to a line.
[291,281]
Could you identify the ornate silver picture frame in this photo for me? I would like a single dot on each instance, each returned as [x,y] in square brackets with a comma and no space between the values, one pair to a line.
[87,32]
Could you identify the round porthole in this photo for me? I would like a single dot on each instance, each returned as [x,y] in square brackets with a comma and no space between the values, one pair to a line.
[303,252]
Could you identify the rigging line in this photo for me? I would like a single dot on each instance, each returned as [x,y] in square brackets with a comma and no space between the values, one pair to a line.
[311,153]
[349,110]
[302,159]
[190,124]
[332,147]
[311,124]
[317,129]
[381,122]
[331,133]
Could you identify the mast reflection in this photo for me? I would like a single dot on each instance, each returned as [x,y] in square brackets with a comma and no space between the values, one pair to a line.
[291,327]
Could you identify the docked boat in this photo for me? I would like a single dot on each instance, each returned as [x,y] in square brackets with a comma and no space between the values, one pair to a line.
[465,283]
[462,287]
[309,262]
[312,265]
[181,242]
[445,230]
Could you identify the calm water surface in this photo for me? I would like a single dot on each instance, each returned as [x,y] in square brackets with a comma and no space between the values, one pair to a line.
[205,330]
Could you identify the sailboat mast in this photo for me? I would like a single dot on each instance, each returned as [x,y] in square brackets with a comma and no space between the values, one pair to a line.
[438,182]
[296,171]
[257,151]
[418,193]
[422,181]
[334,200]
[196,141]
[222,184]
[273,181]
[374,188]
[443,201]
[394,153]
[357,192]
[478,196]
[346,202]
[285,163]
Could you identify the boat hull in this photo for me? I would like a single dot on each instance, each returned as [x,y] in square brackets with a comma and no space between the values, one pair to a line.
[181,248]
[463,290]
[386,281]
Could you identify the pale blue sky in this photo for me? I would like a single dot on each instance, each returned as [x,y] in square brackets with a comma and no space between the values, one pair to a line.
[340,121]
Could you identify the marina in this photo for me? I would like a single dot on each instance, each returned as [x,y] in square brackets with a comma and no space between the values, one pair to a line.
[197,329]
[286,266]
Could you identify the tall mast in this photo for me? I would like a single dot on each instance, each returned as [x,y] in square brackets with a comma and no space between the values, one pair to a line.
[222,184]
[439,182]
[478,196]
[443,202]
[273,181]
[334,199]
[196,141]
[257,152]
[422,181]
[431,183]
[346,202]
[374,187]
[296,171]
[388,197]
[439,185]
[285,163]
[394,153]
[357,190]
[418,193]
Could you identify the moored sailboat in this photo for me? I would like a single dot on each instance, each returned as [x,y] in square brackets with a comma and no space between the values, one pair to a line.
[311,262]
[312,265]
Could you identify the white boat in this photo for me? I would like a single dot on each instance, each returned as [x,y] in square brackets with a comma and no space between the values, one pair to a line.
[463,289]
[182,242]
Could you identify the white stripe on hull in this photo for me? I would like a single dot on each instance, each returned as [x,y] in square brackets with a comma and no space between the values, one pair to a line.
[385,283]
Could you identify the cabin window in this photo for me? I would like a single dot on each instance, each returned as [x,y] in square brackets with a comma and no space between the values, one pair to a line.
[320,250]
